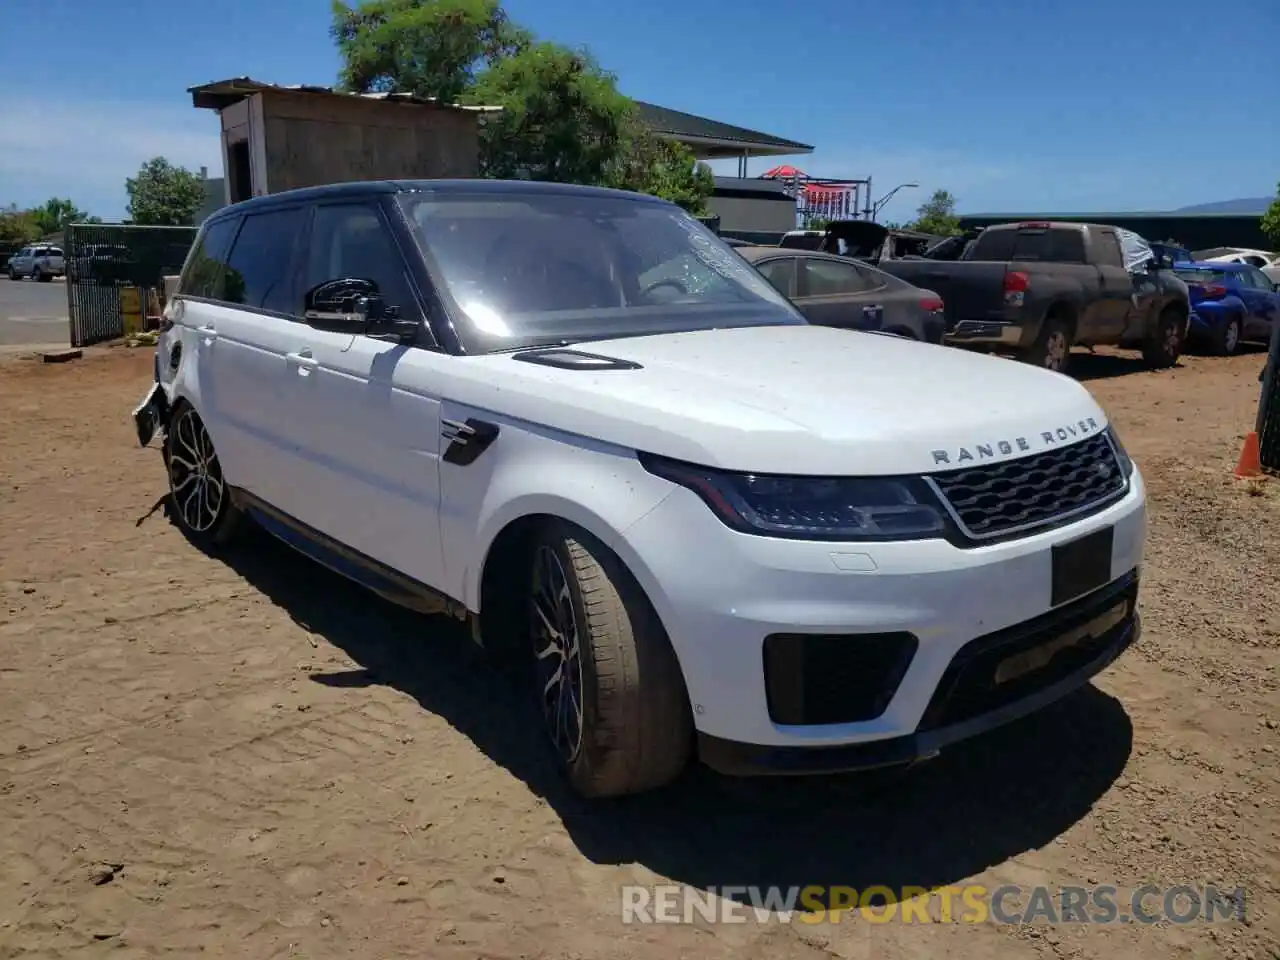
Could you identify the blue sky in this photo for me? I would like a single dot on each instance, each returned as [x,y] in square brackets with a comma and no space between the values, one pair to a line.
[1012,106]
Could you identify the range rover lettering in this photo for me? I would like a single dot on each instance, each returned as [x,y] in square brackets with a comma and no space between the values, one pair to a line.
[578,420]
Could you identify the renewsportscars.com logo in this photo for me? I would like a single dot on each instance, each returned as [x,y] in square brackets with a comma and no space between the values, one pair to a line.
[970,903]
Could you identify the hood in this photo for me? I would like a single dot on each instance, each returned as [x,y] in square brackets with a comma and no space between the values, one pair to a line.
[792,399]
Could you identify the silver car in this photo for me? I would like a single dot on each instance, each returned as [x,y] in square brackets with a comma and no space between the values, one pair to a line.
[39,261]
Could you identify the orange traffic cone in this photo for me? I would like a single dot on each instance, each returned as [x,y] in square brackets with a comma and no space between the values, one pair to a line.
[1250,464]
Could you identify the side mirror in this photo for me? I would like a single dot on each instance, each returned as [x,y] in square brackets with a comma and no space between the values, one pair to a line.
[342,306]
[354,305]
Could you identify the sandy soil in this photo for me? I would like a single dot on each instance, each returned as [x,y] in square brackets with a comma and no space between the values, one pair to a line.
[248,757]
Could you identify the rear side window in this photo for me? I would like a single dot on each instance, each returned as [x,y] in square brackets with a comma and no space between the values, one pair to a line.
[258,270]
[1253,277]
[993,245]
[780,273]
[825,278]
[55,252]
[206,267]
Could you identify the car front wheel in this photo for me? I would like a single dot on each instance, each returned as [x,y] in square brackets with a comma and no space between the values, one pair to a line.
[1164,347]
[199,497]
[611,693]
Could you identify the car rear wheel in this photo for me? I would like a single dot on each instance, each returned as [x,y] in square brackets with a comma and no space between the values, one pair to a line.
[1226,339]
[199,497]
[611,693]
[1052,349]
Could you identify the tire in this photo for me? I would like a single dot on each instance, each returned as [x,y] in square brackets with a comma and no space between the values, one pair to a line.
[1226,339]
[199,498]
[1165,344]
[634,730]
[1052,348]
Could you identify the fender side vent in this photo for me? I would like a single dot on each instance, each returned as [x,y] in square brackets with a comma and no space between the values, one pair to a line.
[575,360]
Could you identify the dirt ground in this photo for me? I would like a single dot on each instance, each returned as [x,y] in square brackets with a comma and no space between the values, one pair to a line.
[246,756]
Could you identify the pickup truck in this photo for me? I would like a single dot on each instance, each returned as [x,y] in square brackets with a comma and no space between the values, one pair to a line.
[1037,289]
[40,261]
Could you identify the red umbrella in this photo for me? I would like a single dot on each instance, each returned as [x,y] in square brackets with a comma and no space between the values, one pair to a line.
[784,172]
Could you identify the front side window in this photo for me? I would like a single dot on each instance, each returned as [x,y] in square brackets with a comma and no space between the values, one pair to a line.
[349,241]
[257,272]
[1109,254]
[528,268]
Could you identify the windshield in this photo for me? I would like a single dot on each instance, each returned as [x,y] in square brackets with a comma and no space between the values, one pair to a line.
[539,268]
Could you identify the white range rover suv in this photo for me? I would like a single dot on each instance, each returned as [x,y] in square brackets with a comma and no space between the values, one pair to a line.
[577,419]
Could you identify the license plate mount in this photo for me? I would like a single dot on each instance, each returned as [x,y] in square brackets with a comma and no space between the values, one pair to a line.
[1081,565]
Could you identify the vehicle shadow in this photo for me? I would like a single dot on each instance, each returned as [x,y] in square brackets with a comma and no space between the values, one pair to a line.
[980,803]
[1104,366]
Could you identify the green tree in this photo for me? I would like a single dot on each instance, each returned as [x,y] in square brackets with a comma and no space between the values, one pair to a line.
[562,117]
[430,48]
[55,214]
[938,215]
[664,168]
[164,195]
[1271,219]
[17,227]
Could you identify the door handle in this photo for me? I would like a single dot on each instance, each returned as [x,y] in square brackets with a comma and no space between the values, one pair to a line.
[303,361]
[208,334]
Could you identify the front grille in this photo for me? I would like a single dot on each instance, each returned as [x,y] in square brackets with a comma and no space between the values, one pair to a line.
[1039,490]
[973,683]
[833,678]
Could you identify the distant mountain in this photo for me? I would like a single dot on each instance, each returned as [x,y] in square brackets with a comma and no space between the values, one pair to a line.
[1256,205]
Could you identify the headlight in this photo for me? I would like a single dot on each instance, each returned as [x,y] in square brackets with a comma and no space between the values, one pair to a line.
[811,508]
[1126,462]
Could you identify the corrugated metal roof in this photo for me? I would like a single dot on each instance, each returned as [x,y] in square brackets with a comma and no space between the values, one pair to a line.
[678,125]
[221,94]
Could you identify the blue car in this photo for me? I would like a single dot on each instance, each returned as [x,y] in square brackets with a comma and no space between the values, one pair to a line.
[1230,303]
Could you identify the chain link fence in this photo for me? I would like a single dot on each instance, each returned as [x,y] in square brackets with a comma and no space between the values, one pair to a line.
[115,272]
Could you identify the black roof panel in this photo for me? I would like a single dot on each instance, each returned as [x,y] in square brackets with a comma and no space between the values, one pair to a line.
[368,188]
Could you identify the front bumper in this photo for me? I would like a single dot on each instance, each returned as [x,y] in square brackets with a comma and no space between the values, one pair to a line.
[720,594]
[736,758]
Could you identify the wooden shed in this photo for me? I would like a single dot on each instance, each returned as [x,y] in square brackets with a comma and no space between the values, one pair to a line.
[277,138]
